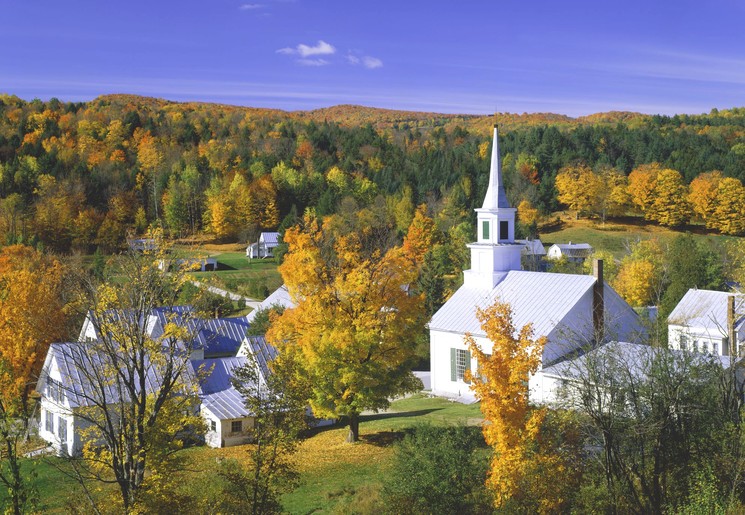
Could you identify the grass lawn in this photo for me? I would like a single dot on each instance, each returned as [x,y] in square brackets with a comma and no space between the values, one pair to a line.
[335,477]
[615,236]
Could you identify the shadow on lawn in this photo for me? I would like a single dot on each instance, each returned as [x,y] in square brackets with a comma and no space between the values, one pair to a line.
[398,414]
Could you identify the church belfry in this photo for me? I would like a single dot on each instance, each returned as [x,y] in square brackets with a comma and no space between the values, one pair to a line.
[495,251]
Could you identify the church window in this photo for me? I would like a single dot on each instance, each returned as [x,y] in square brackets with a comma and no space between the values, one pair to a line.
[504,230]
[460,361]
[485,229]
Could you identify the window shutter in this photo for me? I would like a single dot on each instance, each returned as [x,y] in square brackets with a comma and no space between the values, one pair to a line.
[468,365]
[453,367]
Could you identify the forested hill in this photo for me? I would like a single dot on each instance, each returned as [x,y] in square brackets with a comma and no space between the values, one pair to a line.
[81,175]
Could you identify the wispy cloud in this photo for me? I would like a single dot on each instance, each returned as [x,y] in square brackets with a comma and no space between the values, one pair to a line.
[250,7]
[367,61]
[303,50]
[313,62]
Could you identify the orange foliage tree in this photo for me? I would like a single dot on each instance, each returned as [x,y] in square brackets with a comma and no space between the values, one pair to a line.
[703,195]
[660,194]
[526,468]
[352,333]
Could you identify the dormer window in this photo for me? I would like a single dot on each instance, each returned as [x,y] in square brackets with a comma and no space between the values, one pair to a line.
[485,229]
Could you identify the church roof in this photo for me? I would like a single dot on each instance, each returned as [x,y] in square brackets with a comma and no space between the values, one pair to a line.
[495,196]
[539,298]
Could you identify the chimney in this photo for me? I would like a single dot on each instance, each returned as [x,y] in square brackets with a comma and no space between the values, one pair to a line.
[731,335]
[598,301]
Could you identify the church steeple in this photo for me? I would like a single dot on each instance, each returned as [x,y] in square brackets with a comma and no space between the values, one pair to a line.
[495,195]
[495,252]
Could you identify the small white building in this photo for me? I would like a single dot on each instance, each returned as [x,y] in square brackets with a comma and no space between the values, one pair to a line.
[532,248]
[570,310]
[574,252]
[709,322]
[263,248]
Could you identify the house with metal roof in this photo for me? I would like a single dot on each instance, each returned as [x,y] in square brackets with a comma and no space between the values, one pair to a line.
[264,247]
[709,322]
[575,252]
[572,311]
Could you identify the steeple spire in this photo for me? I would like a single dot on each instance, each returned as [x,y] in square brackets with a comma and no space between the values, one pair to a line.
[495,195]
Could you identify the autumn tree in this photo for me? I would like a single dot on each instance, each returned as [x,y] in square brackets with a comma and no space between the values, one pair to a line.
[136,390]
[579,188]
[34,312]
[352,332]
[526,470]
[703,195]
[660,194]
[729,213]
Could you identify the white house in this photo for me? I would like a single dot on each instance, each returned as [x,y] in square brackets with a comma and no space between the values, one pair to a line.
[708,321]
[263,248]
[533,248]
[558,385]
[570,310]
[575,252]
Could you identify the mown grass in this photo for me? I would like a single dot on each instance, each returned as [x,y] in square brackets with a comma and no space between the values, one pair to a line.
[616,236]
[334,476]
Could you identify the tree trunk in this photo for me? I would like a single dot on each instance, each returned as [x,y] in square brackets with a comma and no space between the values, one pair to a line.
[354,428]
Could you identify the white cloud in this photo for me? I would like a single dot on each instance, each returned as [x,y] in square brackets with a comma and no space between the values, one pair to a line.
[367,61]
[322,48]
[250,7]
[371,62]
[313,62]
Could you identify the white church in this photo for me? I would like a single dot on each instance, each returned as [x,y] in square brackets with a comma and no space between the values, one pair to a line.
[572,311]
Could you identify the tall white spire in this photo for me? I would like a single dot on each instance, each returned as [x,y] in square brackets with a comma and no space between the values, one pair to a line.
[495,196]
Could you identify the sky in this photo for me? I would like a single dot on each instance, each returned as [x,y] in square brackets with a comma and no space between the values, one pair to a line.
[573,57]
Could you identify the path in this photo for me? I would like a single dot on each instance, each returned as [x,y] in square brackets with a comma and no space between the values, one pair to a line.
[251,303]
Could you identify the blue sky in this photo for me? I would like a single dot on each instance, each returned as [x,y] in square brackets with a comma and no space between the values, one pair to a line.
[468,56]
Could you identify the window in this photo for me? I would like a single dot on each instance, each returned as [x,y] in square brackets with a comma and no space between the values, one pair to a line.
[49,422]
[62,431]
[213,425]
[55,390]
[725,344]
[485,229]
[236,426]
[715,348]
[460,361]
[504,230]
[683,342]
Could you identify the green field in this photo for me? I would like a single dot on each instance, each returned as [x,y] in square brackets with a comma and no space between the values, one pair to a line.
[335,477]
[617,236]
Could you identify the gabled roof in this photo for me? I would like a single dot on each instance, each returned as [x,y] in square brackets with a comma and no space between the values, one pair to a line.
[270,238]
[280,297]
[262,351]
[540,298]
[216,336]
[218,394]
[574,249]
[532,247]
[633,358]
[74,358]
[707,310]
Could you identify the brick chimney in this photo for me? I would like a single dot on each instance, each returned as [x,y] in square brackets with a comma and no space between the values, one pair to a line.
[598,301]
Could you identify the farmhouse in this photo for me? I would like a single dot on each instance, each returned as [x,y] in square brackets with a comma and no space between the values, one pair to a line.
[263,248]
[572,311]
[574,252]
[708,321]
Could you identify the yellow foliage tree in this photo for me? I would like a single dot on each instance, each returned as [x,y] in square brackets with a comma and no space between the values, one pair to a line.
[642,181]
[526,213]
[351,334]
[579,188]
[525,468]
[635,281]
[670,206]
[703,195]
[729,214]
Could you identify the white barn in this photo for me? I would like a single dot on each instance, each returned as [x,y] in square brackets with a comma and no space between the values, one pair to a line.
[570,310]
[708,322]
[263,248]
[574,252]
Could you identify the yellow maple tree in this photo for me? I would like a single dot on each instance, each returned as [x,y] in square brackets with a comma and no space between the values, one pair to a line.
[703,195]
[351,333]
[525,469]
[579,188]
[729,213]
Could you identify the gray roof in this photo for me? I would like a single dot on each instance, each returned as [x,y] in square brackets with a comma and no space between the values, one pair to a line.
[632,357]
[707,310]
[574,249]
[216,336]
[262,351]
[218,394]
[74,359]
[270,238]
[280,297]
[540,298]
[532,247]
